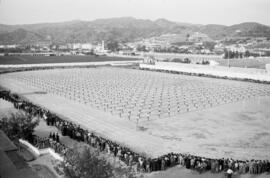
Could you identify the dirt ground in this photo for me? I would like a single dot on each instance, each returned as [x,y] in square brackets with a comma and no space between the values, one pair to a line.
[44,165]
[239,130]
[181,172]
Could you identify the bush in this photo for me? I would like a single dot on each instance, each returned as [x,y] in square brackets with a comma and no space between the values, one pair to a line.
[19,125]
[86,164]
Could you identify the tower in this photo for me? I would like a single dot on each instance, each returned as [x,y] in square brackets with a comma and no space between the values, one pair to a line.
[102,46]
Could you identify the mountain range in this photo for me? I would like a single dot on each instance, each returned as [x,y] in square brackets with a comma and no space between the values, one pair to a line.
[124,29]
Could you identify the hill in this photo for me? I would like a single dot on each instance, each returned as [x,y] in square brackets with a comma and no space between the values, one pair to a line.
[248,29]
[124,29]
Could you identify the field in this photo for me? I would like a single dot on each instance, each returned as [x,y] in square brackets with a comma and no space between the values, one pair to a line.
[156,113]
[249,63]
[246,63]
[57,59]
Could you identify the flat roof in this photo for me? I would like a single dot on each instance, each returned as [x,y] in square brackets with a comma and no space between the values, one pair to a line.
[11,164]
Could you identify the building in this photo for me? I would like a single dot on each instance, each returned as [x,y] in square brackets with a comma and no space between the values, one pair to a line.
[12,165]
[11,46]
[199,37]
[100,48]
[87,46]
[237,48]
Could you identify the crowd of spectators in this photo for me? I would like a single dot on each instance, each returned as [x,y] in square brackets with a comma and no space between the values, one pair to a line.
[46,142]
[131,158]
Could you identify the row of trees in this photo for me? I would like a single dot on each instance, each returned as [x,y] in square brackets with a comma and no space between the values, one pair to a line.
[235,54]
[11,50]
[185,60]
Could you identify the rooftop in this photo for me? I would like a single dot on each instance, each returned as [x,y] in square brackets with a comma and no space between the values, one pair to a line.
[12,164]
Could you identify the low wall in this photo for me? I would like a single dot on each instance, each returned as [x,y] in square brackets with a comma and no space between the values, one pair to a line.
[38,152]
[218,71]
[30,147]
[52,153]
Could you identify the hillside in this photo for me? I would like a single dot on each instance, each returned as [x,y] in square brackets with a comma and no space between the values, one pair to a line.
[213,31]
[123,29]
[248,29]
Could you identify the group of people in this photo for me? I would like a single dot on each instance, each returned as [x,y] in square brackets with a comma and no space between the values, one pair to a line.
[46,142]
[54,137]
[139,96]
[144,164]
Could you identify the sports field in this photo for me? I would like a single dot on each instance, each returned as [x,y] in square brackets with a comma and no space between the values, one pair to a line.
[5,60]
[58,59]
[174,113]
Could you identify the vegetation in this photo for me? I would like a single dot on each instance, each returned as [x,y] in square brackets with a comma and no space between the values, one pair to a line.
[19,125]
[186,60]
[113,46]
[119,29]
[85,164]
[82,162]
[237,55]
[142,48]
[58,59]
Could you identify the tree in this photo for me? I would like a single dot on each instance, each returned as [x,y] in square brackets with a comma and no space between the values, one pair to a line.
[209,45]
[187,37]
[113,45]
[19,125]
[226,54]
[247,53]
[187,60]
[141,48]
[86,164]
[236,55]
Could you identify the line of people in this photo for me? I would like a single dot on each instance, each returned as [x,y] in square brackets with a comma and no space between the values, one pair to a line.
[42,143]
[74,131]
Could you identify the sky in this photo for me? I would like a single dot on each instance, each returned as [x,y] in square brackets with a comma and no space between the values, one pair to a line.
[225,12]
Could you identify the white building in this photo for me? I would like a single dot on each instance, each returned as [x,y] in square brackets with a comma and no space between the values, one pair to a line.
[86,46]
[8,46]
[100,48]
[76,46]
[237,48]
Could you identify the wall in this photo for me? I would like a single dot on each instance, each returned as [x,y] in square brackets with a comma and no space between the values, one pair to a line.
[38,152]
[219,71]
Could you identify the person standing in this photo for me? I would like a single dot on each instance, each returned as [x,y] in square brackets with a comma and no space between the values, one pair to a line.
[162,164]
[187,162]
[57,137]
[229,173]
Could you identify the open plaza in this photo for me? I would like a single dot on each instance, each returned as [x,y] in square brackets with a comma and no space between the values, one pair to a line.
[155,113]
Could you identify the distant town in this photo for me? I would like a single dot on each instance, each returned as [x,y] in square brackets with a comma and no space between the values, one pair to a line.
[195,43]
